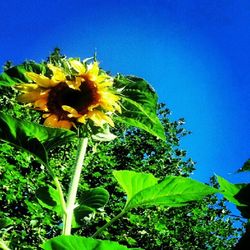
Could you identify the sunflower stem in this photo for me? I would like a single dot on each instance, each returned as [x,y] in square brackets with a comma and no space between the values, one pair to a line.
[82,146]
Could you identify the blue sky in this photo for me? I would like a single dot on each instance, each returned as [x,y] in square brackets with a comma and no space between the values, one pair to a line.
[194,53]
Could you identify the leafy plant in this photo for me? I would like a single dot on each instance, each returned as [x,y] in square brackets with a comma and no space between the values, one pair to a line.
[80,96]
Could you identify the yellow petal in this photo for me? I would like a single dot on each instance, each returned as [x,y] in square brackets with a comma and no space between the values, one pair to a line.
[77,66]
[51,121]
[82,119]
[26,87]
[92,71]
[109,101]
[75,84]
[58,74]
[104,80]
[72,111]
[100,118]
[32,96]
[65,124]
[41,104]
[41,80]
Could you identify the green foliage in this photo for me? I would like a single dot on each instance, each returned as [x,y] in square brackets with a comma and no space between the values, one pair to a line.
[230,191]
[19,180]
[196,226]
[16,74]
[174,191]
[32,137]
[245,167]
[133,182]
[48,197]
[89,201]
[238,194]
[80,243]
[200,225]
[139,102]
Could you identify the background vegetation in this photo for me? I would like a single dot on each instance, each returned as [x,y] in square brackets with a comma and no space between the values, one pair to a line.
[25,223]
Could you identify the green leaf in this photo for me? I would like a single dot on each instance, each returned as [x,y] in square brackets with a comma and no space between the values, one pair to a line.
[230,190]
[81,243]
[139,102]
[90,200]
[13,75]
[174,191]
[49,198]
[32,137]
[16,74]
[238,194]
[133,182]
[246,167]
[94,198]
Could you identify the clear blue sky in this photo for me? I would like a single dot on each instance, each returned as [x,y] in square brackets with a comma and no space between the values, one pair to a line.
[194,53]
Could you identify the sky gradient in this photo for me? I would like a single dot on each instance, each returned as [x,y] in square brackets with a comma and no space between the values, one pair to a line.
[194,53]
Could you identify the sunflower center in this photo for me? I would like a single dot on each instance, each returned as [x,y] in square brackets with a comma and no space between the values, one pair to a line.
[79,100]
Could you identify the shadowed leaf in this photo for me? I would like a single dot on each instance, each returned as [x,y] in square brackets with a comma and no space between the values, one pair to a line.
[139,102]
[16,74]
[32,137]
[245,167]
[48,197]
[90,200]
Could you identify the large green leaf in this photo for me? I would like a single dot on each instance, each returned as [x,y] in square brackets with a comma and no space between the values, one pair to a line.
[81,243]
[230,190]
[139,102]
[174,191]
[89,201]
[133,182]
[16,74]
[35,138]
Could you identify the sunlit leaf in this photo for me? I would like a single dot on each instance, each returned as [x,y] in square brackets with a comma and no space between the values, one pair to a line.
[139,102]
[81,243]
[174,191]
[133,182]
[35,138]
[230,190]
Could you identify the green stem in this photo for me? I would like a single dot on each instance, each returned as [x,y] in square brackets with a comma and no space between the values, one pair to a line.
[108,224]
[82,146]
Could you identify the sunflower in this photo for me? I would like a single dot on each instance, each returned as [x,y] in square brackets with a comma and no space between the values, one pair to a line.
[69,98]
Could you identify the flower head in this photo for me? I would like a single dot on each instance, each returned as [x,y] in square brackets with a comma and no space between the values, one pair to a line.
[84,94]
